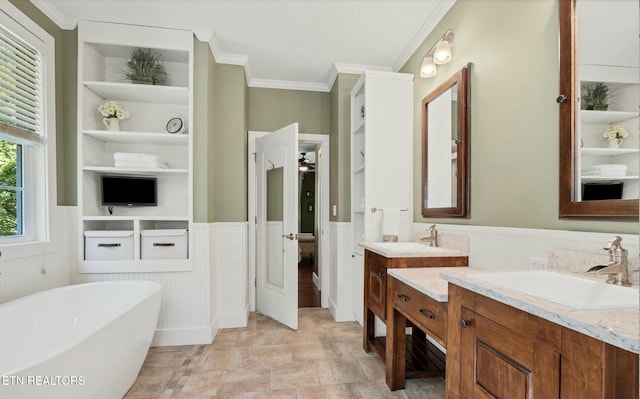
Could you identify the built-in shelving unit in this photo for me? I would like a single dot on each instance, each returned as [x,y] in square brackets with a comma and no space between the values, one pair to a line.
[102,52]
[381,151]
[594,148]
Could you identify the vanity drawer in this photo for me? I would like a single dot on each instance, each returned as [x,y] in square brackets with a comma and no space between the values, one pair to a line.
[425,312]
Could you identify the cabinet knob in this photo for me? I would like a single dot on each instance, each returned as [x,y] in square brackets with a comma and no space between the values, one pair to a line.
[380,275]
[403,298]
[426,314]
[562,99]
[464,323]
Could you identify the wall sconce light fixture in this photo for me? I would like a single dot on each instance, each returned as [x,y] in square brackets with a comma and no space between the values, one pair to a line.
[439,54]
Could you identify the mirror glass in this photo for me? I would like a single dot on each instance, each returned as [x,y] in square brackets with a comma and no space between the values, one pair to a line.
[599,102]
[445,141]
[275,227]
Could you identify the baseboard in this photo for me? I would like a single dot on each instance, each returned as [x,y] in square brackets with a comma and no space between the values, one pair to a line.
[183,336]
[316,280]
[339,314]
[234,320]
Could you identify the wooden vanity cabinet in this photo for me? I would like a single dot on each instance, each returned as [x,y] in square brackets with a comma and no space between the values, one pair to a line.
[377,290]
[411,307]
[497,351]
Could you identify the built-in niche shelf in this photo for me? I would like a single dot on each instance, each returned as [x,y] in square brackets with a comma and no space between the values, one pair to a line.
[103,49]
[124,137]
[139,93]
[606,117]
[608,178]
[133,171]
[607,152]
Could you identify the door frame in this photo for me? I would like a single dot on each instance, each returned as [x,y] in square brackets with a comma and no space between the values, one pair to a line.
[322,207]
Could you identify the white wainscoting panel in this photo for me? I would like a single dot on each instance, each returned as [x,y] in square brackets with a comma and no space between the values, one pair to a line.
[29,268]
[230,261]
[511,248]
[342,274]
[185,308]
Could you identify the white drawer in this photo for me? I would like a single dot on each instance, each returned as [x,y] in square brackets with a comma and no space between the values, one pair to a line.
[164,244]
[108,244]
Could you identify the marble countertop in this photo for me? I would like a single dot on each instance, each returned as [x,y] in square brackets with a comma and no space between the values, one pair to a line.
[618,327]
[408,249]
[427,279]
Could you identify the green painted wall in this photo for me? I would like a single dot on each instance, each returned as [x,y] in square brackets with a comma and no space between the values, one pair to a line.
[66,54]
[203,133]
[513,46]
[340,145]
[271,109]
[229,146]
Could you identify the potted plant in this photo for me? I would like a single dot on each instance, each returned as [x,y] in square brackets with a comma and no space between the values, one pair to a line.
[595,96]
[144,67]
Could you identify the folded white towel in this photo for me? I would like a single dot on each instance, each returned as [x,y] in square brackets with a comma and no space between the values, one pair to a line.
[391,221]
[131,164]
[135,157]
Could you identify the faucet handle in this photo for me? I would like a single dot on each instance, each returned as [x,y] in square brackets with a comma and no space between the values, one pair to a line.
[615,243]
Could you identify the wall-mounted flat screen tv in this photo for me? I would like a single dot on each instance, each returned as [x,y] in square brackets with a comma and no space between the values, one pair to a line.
[128,191]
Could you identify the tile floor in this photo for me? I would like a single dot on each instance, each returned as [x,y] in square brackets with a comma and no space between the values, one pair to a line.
[322,359]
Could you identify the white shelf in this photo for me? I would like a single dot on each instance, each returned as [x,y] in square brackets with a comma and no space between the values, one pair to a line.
[136,218]
[139,93]
[123,137]
[605,117]
[133,171]
[607,152]
[134,266]
[607,178]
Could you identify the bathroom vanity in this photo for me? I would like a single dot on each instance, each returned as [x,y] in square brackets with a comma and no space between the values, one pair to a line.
[503,343]
[379,298]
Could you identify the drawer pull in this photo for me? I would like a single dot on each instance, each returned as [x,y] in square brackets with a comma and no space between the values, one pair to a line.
[105,245]
[403,298]
[464,323]
[164,244]
[427,315]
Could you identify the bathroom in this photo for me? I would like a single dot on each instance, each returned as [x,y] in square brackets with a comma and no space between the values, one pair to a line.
[514,168]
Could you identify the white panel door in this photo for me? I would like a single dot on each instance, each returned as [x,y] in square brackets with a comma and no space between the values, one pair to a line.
[277,225]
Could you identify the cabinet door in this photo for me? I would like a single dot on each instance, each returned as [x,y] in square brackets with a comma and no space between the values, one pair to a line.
[496,362]
[377,288]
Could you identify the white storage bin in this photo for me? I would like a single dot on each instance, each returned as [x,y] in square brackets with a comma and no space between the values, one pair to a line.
[108,245]
[164,244]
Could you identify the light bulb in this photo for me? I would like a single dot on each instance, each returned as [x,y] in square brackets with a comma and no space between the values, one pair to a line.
[442,53]
[428,69]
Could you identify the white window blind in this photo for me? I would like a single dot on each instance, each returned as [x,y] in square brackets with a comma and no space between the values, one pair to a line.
[20,90]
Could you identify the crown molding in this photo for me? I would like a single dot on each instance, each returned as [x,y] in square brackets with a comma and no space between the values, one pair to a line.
[288,85]
[356,69]
[425,30]
[50,10]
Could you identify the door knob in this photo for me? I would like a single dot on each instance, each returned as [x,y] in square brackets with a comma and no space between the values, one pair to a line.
[290,236]
[562,99]
[464,323]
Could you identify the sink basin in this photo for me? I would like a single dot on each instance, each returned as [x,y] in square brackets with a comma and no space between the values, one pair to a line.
[567,290]
[408,249]
[405,246]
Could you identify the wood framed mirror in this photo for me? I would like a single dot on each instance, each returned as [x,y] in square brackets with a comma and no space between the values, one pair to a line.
[591,53]
[446,148]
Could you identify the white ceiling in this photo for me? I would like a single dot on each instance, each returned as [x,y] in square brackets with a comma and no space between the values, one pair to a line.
[298,44]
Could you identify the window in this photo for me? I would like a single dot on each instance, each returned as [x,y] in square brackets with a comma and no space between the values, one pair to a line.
[27,139]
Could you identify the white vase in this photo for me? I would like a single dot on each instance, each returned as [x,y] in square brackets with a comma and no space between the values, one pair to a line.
[615,143]
[112,124]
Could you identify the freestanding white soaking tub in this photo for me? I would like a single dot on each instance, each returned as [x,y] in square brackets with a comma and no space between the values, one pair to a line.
[80,341]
